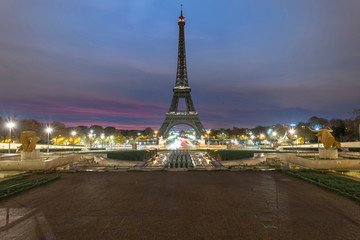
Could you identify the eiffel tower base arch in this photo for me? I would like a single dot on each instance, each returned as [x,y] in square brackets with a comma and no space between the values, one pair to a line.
[178,118]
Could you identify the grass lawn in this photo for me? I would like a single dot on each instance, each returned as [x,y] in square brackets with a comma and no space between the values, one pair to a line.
[18,184]
[344,186]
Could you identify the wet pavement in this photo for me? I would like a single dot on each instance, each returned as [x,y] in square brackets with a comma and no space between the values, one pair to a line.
[179,205]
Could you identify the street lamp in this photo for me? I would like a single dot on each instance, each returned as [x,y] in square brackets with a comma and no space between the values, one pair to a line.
[102,137]
[73,133]
[208,133]
[111,137]
[269,132]
[274,135]
[10,125]
[90,136]
[48,130]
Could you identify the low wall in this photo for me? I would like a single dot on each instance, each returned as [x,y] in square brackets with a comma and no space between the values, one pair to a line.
[38,146]
[60,161]
[103,161]
[44,164]
[258,158]
[315,145]
[339,164]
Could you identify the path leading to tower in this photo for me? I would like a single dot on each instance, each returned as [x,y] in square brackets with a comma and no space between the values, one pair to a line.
[179,205]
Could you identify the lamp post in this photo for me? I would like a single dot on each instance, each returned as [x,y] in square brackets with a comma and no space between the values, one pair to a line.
[90,136]
[102,138]
[317,129]
[274,135]
[10,125]
[111,141]
[269,132]
[73,133]
[292,131]
[48,130]
[156,132]
[208,133]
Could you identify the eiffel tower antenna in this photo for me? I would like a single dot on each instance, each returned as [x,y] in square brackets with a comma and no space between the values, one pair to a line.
[175,117]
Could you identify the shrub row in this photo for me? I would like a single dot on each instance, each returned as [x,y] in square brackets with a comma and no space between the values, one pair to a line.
[132,155]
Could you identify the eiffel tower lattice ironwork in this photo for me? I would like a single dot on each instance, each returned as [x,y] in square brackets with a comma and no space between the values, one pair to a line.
[181,90]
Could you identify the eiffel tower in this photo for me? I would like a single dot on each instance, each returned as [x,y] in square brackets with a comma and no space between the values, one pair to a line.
[174,117]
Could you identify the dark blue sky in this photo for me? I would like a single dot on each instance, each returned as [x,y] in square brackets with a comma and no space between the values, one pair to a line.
[111,62]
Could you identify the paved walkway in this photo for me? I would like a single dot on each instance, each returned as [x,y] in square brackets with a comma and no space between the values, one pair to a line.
[179,205]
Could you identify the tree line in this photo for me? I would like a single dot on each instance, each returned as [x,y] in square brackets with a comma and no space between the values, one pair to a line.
[343,130]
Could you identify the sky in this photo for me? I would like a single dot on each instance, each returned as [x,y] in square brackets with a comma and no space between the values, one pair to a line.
[113,62]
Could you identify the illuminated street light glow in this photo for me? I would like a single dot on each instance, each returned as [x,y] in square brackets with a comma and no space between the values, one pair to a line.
[10,125]
[48,130]
[111,137]
[292,131]
[73,133]
[208,133]
[274,134]
[102,137]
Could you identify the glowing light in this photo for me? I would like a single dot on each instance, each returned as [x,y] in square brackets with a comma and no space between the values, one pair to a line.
[10,124]
[274,134]
[292,131]
[49,130]
[73,133]
[175,145]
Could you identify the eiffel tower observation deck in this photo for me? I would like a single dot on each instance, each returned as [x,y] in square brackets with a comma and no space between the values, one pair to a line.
[181,90]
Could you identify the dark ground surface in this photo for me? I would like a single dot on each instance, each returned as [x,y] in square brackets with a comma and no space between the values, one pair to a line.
[179,205]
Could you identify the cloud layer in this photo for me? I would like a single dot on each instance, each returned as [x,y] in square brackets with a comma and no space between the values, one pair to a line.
[114,63]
